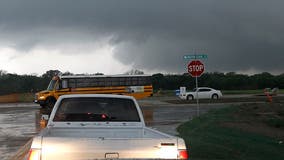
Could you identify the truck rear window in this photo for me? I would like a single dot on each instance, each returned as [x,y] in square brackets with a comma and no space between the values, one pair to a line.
[97,109]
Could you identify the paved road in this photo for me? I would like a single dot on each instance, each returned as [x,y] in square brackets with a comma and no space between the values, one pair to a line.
[18,121]
[17,126]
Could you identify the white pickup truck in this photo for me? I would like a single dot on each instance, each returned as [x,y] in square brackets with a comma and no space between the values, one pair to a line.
[98,126]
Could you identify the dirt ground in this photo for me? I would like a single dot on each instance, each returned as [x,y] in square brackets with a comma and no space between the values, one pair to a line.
[263,118]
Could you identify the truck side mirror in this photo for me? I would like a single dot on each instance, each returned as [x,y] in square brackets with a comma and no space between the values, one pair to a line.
[45,117]
[43,121]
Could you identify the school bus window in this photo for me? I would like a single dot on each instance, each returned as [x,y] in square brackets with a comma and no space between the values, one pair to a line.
[64,84]
[134,81]
[72,83]
[96,81]
[115,81]
[108,81]
[51,85]
[90,82]
[78,83]
[81,83]
[102,82]
[121,81]
[128,81]
[147,80]
[141,81]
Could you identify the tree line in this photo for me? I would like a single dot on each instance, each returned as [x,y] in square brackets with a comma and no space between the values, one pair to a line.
[223,81]
[13,83]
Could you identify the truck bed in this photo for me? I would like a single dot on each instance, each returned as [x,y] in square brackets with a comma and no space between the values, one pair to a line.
[105,143]
[102,132]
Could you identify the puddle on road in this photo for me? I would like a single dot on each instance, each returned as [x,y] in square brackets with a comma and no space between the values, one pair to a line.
[167,119]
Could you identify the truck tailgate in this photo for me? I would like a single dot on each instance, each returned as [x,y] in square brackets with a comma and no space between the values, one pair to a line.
[54,148]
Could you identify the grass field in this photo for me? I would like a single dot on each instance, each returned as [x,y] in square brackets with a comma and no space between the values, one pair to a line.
[246,132]
[259,91]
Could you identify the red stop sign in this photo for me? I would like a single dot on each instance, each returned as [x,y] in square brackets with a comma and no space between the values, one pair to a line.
[195,68]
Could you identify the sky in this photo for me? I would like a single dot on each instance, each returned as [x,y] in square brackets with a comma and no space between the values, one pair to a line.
[115,36]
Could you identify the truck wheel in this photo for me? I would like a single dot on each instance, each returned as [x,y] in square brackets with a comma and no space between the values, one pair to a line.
[189,97]
[49,103]
[215,96]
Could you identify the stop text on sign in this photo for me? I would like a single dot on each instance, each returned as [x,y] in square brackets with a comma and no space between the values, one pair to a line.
[195,68]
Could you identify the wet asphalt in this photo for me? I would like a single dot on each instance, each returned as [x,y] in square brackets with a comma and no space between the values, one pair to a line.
[17,126]
[19,122]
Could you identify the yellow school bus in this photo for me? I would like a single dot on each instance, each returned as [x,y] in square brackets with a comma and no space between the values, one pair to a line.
[138,86]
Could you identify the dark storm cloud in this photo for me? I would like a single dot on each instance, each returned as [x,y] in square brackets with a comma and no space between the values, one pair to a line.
[236,35]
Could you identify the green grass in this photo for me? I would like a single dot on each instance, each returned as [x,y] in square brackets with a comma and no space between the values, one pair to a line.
[242,91]
[257,91]
[207,139]
[275,122]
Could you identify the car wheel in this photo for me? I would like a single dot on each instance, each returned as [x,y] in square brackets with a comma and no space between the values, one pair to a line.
[215,96]
[189,97]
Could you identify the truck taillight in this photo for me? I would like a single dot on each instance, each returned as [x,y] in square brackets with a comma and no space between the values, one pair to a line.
[183,154]
[34,154]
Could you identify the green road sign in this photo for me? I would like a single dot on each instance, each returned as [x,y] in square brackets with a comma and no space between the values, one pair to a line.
[197,56]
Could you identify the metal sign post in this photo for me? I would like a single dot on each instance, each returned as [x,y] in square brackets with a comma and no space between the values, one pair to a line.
[195,69]
[197,98]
